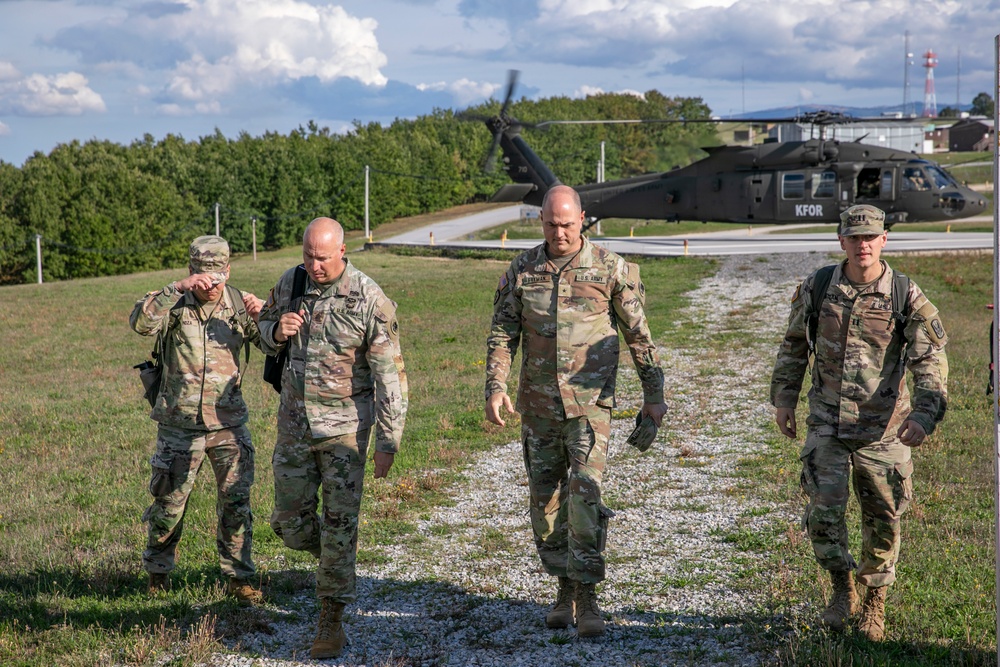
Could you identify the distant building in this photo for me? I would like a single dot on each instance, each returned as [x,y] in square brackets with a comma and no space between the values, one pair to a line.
[900,136]
[937,139]
[972,134]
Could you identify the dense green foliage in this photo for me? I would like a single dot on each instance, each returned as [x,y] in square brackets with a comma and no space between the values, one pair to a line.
[104,209]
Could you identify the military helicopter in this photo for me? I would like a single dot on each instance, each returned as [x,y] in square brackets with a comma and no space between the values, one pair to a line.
[777,182]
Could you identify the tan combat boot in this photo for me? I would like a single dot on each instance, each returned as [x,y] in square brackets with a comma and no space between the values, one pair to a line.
[564,609]
[844,602]
[243,590]
[589,622]
[330,635]
[159,583]
[872,621]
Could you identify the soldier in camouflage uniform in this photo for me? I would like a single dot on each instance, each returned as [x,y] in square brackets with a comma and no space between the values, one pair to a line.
[861,420]
[344,376]
[565,302]
[201,413]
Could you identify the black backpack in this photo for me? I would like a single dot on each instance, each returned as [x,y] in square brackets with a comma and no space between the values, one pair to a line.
[273,365]
[900,304]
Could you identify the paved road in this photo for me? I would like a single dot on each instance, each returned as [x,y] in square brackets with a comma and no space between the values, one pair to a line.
[740,241]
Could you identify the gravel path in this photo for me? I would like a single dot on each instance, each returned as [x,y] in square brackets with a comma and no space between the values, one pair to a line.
[471,591]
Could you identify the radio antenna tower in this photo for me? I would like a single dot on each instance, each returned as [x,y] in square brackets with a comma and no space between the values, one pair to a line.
[930,98]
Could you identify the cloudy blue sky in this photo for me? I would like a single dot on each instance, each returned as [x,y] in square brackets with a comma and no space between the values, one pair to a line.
[117,69]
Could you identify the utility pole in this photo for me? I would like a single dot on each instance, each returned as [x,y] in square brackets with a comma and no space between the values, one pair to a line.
[253,231]
[367,232]
[216,218]
[600,179]
[38,256]
[906,75]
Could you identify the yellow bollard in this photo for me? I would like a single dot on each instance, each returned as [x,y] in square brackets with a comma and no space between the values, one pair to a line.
[369,238]
[685,246]
[631,232]
[948,229]
[432,238]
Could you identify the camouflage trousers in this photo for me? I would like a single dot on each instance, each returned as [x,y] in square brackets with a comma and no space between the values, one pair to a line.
[178,458]
[301,466]
[565,461]
[880,473]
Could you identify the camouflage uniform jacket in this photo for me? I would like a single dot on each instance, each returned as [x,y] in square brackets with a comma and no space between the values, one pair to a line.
[345,363]
[202,371]
[568,324]
[858,389]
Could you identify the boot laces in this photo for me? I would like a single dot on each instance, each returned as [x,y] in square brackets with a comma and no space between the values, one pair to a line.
[325,630]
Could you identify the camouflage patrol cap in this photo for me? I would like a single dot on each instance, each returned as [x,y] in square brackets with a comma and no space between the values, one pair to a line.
[862,219]
[209,254]
[644,433]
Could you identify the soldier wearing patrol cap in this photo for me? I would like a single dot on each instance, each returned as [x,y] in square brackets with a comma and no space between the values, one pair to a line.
[564,302]
[203,328]
[865,325]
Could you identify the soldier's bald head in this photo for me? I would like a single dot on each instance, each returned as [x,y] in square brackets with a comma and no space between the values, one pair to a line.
[323,250]
[561,196]
[323,230]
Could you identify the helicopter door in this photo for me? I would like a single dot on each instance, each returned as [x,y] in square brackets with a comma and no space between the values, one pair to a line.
[759,198]
[875,184]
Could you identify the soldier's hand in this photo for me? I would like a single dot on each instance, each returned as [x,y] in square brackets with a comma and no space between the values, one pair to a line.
[656,411]
[383,461]
[288,326]
[493,404]
[785,418]
[253,305]
[203,281]
[911,433]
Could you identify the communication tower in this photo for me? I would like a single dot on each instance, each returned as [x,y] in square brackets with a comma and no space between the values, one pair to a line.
[930,98]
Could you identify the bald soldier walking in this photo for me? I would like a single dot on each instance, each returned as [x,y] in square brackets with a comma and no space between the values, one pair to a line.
[565,302]
[199,408]
[865,325]
[344,376]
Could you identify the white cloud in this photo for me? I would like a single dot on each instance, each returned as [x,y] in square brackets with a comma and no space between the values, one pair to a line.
[265,42]
[8,72]
[464,91]
[4,129]
[66,94]
[587,91]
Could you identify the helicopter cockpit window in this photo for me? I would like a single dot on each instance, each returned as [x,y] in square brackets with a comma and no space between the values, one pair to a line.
[824,185]
[914,179]
[793,186]
[939,177]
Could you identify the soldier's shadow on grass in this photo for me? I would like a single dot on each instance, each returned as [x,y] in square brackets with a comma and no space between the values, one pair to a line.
[111,597]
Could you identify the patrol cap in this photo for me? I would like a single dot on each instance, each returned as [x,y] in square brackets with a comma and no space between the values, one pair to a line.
[862,219]
[209,254]
[643,434]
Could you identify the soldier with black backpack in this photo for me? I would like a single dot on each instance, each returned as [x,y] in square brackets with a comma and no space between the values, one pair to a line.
[203,335]
[863,325]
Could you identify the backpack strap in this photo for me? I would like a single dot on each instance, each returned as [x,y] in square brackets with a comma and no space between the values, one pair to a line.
[821,283]
[299,282]
[901,309]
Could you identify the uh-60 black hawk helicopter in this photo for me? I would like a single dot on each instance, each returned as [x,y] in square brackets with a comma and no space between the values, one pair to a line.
[809,181]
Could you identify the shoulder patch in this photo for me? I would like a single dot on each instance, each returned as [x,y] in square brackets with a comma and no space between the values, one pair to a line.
[798,291]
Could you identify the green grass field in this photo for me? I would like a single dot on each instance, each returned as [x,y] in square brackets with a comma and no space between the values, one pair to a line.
[75,443]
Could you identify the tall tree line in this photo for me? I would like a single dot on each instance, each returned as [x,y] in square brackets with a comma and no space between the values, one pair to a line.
[102,208]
